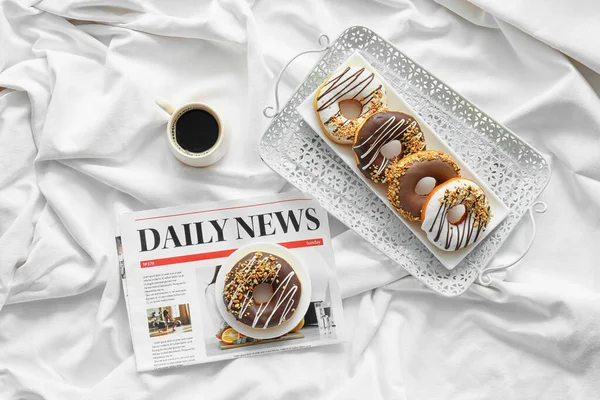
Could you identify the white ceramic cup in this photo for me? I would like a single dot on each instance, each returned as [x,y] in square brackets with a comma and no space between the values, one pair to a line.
[206,158]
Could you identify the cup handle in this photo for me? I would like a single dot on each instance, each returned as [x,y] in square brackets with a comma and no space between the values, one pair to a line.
[165,106]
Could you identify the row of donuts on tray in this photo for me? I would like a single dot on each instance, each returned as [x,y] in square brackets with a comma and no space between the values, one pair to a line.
[390,148]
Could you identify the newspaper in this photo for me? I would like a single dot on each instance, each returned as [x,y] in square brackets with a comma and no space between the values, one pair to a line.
[173,262]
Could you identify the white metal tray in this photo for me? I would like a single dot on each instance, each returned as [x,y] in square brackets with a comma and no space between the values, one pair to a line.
[450,259]
[515,171]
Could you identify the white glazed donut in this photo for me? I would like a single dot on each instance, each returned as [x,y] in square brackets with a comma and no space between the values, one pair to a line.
[451,230]
[349,83]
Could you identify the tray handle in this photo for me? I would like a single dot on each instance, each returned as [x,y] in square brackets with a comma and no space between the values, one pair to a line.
[484,278]
[271,112]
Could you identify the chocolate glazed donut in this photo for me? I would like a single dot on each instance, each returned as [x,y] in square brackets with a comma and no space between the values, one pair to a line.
[252,270]
[404,175]
[397,131]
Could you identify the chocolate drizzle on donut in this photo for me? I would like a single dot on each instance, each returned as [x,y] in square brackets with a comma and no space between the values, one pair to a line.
[252,270]
[380,129]
[477,218]
[339,87]
[350,83]
[363,102]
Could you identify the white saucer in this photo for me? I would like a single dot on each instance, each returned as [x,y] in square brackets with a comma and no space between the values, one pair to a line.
[305,294]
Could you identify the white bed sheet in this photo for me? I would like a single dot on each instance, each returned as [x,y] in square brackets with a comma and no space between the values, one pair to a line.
[81,141]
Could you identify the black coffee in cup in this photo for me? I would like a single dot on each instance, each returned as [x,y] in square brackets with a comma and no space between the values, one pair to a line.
[196,130]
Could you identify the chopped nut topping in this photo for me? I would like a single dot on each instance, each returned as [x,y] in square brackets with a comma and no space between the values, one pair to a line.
[397,169]
[412,140]
[244,277]
[473,199]
[346,130]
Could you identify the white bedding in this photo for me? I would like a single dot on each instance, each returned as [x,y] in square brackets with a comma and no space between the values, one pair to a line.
[81,141]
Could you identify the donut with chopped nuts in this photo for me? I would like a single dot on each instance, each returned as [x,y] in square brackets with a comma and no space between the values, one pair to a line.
[348,84]
[384,137]
[412,178]
[455,214]
[257,270]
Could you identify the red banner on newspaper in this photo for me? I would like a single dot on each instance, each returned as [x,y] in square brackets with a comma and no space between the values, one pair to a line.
[221,254]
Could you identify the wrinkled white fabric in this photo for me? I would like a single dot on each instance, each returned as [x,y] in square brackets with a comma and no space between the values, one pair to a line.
[569,26]
[82,141]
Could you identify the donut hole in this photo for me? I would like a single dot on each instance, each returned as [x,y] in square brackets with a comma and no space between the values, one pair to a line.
[350,108]
[425,185]
[262,292]
[457,214]
[391,150]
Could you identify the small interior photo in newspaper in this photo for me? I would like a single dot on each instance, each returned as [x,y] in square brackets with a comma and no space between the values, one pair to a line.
[216,281]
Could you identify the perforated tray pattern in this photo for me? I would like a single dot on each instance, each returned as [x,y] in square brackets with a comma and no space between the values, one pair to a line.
[512,168]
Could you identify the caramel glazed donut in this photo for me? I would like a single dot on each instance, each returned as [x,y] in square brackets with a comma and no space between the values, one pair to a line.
[252,270]
[455,213]
[405,174]
[384,137]
[351,83]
